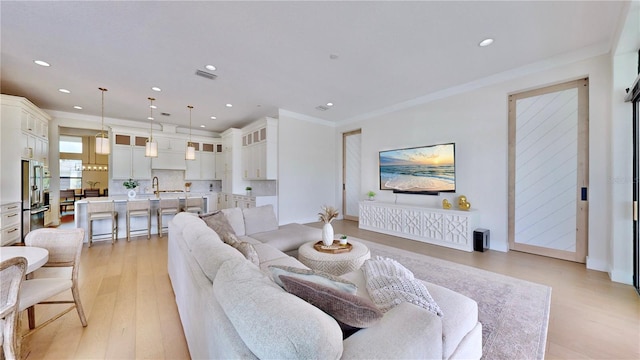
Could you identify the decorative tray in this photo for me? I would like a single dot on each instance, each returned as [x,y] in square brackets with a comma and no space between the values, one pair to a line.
[334,248]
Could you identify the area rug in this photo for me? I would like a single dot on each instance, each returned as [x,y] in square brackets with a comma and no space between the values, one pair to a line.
[514,313]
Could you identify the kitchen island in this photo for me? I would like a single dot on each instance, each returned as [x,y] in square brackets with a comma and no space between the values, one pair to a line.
[137,223]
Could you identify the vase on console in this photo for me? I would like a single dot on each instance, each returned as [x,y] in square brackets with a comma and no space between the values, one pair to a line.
[326,216]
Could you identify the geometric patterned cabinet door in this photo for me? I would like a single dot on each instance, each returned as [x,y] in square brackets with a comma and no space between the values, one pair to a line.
[450,228]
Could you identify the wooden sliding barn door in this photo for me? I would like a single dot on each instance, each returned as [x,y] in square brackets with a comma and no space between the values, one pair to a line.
[548,171]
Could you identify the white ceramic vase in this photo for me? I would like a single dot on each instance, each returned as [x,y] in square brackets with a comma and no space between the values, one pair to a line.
[327,234]
[131,194]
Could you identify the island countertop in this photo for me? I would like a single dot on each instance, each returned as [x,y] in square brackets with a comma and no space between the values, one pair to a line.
[137,223]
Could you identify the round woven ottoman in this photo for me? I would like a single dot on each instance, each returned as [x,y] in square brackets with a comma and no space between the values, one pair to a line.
[336,264]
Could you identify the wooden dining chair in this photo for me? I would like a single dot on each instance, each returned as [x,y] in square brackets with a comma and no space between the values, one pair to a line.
[57,276]
[67,198]
[11,272]
[89,193]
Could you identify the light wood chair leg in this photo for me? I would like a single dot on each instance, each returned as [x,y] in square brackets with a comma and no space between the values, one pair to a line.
[76,299]
[128,227]
[160,224]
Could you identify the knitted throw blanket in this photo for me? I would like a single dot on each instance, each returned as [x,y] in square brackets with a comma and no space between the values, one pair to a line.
[389,284]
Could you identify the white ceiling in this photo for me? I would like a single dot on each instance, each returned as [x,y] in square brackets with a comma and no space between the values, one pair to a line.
[274,55]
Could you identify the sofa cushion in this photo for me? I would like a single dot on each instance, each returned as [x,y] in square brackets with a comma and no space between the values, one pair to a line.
[272,323]
[267,252]
[389,284]
[347,309]
[210,255]
[235,219]
[315,276]
[218,222]
[283,261]
[259,219]
[461,316]
[289,237]
[248,251]
[197,231]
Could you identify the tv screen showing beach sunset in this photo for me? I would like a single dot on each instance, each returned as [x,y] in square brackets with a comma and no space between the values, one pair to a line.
[427,168]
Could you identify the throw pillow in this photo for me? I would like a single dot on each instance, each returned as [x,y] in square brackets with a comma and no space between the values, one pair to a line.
[248,251]
[218,222]
[350,310]
[389,284]
[316,276]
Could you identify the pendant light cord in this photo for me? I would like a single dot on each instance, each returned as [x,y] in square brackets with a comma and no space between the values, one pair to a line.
[102,128]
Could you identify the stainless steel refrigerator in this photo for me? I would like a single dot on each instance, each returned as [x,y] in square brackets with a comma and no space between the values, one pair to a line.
[33,196]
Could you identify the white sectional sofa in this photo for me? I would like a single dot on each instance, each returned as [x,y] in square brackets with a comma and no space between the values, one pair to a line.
[231,308]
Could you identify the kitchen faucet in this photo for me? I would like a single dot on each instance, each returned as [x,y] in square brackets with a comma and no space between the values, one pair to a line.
[155,184]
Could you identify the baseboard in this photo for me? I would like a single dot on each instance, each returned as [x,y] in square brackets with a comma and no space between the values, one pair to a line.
[595,264]
[623,277]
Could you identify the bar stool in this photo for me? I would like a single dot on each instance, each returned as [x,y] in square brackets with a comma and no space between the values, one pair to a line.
[194,205]
[166,207]
[138,208]
[102,210]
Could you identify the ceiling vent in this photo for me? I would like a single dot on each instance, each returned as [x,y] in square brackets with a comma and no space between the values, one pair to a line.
[205,74]
[322,108]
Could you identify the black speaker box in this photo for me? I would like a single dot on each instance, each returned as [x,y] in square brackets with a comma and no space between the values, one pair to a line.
[480,240]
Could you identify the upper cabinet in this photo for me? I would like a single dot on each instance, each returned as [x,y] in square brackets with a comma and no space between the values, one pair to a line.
[128,160]
[24,134]
[171,152]
[259,150]
[204,167]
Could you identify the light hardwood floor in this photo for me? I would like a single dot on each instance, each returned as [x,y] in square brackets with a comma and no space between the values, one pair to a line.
[131,310]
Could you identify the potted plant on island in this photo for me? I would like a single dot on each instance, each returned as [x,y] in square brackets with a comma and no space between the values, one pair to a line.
[187,187]
[131,185]
[328,214]
[248,189]
[371,195]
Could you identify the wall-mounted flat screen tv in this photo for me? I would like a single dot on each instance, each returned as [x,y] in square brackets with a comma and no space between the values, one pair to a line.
[420,170]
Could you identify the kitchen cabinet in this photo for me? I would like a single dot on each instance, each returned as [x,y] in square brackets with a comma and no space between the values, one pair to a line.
[127,158]
[259,150]
[204,166]
[10,223]
[23,135]
[219,170]
[171,152]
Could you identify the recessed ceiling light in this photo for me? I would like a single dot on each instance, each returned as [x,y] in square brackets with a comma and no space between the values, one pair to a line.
[150,118]
[155,88]
[485,42]
[201,126]
[213,118]
[329,104]
[153,106]
[64,91]
[229,105]
[210,67]
[41,63]
[78,107]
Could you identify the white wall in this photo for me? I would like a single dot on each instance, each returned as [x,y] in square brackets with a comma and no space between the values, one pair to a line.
[306,167]
[477,122]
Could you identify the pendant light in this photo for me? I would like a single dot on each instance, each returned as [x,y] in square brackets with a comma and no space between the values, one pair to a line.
[151,147]
[191,151]
[102,141]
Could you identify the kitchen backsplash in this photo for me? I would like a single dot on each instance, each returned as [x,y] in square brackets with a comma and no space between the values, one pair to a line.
[174,180]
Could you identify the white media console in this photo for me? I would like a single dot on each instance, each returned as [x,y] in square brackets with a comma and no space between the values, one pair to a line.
[450,228]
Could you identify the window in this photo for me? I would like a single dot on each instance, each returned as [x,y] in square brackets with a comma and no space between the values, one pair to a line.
[70,144]
[70,173]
